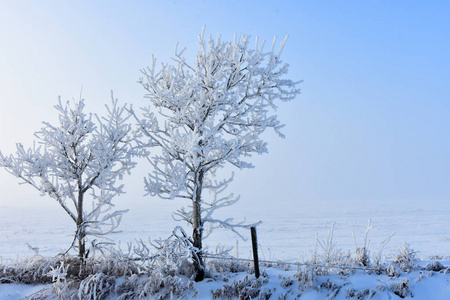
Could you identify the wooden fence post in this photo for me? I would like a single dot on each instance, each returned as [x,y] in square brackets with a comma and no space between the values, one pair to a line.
[255,250]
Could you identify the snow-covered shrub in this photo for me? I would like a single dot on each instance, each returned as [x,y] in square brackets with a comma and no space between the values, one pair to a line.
[330,253]
[392,271]
[287,281]
[108,275]
[68,266]
[96,286]
[331,288]
[66,289]
[224,266]
[401,288]
[164,286]
[32,270]
[93,278]
[59,273]
[174,255]
[405,258]
[171,256]
[73,268]
[306,275]
[362,253]
[247,288]
[360,295]
[434,266]
[70,277]
[362,256]
[126,287]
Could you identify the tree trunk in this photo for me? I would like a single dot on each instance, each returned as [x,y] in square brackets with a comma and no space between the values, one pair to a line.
[81,231]
[81,242]
[81,234]
[197,225]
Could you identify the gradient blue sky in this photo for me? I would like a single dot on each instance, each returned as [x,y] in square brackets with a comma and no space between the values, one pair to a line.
[371,125]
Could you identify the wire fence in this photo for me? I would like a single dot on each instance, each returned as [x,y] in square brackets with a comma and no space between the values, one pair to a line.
[298,264]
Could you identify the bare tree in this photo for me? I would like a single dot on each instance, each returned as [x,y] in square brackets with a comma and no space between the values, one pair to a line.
[77,163]
[205,115]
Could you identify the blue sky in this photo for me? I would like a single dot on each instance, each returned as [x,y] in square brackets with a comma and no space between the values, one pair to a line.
[371,125]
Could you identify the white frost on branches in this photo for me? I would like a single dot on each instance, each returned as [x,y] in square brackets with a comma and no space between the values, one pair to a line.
[80,156]
[207,114]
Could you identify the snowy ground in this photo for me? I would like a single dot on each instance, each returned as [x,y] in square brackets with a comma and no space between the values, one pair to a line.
[277,283]
[288,232]
[288,237]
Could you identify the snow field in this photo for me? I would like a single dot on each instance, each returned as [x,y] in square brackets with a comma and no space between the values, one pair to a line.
[288,238]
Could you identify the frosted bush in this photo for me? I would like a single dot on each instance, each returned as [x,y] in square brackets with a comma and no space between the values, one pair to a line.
[392,271]
[362,253]
[401,288]
[286,281]
[31,270]
[360,295]
[96,286]
[331,288]
[66,289]
[405,258]
[434,266]
[306,276]
[173,255]
[225,266]
[362,257]
[165,287]
[330,253]
[247,288]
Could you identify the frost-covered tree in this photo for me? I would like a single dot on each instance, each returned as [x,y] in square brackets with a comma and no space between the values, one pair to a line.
[205,115]
[77,163]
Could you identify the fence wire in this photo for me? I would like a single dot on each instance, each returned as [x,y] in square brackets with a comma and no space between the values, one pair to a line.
[298,264]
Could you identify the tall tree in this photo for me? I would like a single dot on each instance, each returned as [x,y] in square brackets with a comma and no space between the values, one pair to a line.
[77,163]
[205,115]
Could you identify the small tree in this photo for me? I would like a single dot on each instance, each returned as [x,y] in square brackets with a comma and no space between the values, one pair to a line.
[209,114]
[75,160]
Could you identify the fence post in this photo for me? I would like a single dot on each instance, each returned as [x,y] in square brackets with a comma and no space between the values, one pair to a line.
[255,250]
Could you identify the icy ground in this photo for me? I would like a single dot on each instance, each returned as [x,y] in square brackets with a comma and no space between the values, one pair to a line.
[288,236]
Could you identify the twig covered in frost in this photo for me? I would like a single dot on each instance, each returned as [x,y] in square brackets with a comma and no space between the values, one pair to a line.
[314,257]
[330,254]
[377,258]
[34,249]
